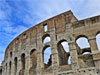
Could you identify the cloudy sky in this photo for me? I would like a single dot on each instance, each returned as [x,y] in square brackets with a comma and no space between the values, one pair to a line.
[19,15]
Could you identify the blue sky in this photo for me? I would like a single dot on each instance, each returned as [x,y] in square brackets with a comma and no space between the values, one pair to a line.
[19,15]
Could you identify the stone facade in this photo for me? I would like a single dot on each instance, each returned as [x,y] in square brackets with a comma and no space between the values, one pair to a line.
[24,55]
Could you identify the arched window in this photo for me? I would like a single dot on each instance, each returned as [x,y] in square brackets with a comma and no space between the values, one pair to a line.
[10,68]
[98,41]
[15,60]
[83,45]
[47,56]
[10,54]
[63,52]
[23,61]
[46,38]
[33,57]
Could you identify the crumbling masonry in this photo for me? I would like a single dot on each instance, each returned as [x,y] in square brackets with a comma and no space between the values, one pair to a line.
[25,54]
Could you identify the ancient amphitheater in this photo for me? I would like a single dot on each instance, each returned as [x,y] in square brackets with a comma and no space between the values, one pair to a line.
[25,54]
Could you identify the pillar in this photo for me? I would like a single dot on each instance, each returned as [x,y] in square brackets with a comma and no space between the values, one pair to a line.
[74,55]
[13,68]
[93,44]
[94,50]
[27,57]
[27,64]
[40,63]
[55,59]
[19,66]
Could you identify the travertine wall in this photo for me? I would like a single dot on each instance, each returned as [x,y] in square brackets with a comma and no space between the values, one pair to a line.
[24,55]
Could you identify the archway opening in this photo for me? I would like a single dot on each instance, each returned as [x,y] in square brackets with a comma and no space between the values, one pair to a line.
[46,38]
[33,58]
[15,60]
[10,54]
[23,61]
[47,57]
[10,68]
[98,41]
[63,52]
[83,46]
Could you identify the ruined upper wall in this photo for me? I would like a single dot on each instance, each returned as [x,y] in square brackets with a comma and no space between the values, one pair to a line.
[88,27]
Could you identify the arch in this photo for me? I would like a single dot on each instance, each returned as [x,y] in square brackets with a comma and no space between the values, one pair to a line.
[63,52]
[10,67]
[47,56]
[79,36]
[11,54]
[98,40]
[83,45]
[23,61]
[46,38]
[33,57]
[15,60]
[65,45]
[33,62]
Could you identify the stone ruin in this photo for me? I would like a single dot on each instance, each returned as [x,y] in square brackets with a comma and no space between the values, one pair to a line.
[25,54]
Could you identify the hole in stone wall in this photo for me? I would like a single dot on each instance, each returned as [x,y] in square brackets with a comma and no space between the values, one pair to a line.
[65,46]
[33,57]
[98,41]
[46,38]
[15,60]
[23,61]
[86,53]
[10,68]
[69,60]
[10,54]
[63,52]
[45,28]
[83,45]
[47,57]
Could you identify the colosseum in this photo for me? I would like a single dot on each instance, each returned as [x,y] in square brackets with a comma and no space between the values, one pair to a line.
[25,54]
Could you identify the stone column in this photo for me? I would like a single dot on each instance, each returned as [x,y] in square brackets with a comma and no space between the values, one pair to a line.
[13,68]
[94,50]
[55,59]
[19,66]
[93,45]
[27,57]
[40,63]
[27,65]
[73,54]
[4,70]
[8,68]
